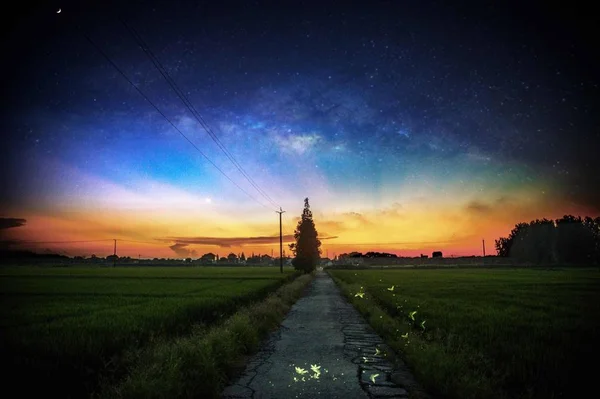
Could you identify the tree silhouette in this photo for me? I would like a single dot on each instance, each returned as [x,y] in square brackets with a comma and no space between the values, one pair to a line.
[570,239]
[575,241]
[306,249]
[535,241]
[505,244]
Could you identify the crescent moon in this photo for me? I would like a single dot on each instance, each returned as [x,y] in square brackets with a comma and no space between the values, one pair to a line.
[59,10]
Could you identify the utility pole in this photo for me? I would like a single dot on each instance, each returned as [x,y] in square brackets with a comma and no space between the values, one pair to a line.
[115,255]
[483,242]
[280,211]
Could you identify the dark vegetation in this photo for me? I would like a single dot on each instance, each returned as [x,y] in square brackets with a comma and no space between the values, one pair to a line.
[306,249]
[67,329]
[568,240]
[488,333]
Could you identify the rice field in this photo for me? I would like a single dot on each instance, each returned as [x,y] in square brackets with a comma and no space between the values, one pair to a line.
[487,333]
[66,329]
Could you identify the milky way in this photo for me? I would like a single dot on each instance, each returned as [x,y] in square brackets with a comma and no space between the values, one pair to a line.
[403,124]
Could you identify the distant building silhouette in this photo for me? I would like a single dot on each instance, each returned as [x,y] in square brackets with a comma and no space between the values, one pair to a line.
[436,254]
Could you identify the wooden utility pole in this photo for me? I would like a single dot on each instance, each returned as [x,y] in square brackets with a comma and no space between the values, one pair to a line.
[483,242]
[280,211]
[115,255]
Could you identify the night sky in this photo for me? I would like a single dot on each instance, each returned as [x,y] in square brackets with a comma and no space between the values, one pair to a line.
[411,126]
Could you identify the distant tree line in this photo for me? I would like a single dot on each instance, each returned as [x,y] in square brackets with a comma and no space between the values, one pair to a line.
[569,239]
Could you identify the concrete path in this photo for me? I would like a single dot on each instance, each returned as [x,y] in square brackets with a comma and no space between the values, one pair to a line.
[333,348]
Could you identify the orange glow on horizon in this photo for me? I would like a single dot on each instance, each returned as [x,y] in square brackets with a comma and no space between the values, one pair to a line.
[408,229]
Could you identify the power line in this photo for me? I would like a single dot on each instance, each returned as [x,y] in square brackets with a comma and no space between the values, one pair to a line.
[156,62]
[166,118]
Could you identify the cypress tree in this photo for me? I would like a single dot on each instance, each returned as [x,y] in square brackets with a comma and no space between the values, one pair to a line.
[306,249]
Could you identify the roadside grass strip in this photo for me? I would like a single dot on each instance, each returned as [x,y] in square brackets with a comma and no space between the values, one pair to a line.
[201,364]
[485,333]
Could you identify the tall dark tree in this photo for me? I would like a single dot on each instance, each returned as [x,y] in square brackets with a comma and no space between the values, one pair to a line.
[535,242]
[504,245]
[306,249]
[576,239]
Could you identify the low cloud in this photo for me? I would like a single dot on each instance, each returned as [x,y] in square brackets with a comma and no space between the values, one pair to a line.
[394,211]
[7,223]
[478,207]
[334,225]
[227,242]
[182,250]
[358,217]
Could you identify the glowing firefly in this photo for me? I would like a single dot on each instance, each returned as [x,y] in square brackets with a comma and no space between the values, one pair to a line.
[316,369]
[300,370]
[377,351]
[360,294]
[405,336]
[412,315]
[423,324]
[373,376]
[391,288]
[59,10]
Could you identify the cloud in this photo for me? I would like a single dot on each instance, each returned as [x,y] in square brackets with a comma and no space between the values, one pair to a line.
[298,144]
[226,242]
[478,207]
[334,225]
[359,218]
[181,250]
[499,204]
[7,223]
[394,211]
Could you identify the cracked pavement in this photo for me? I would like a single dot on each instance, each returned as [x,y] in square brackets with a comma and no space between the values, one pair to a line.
[324,331]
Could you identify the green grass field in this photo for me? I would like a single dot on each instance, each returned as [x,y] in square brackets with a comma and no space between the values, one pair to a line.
[64,328]
[503,333]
